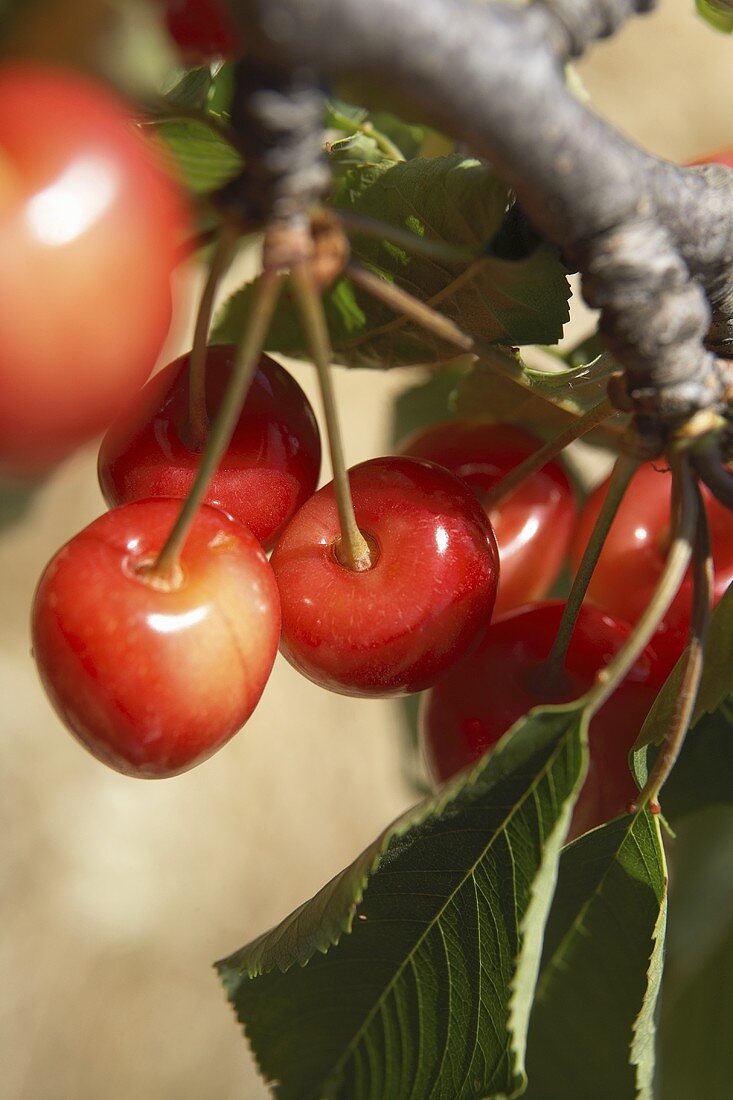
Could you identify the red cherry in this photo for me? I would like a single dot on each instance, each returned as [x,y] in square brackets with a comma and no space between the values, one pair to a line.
[270,468]
[154,681]
[533,526]
[89,232]
[201,28]
[424,603]
[469,709]
[633,555]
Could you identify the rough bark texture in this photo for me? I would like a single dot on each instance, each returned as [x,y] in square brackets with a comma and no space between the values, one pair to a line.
[653,242]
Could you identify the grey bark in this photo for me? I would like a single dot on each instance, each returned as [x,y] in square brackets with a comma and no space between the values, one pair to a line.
[653,241]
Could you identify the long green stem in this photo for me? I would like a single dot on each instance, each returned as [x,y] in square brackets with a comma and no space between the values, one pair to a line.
[694,658]
[353,549]
[401,301]
[623,472]
[539,458]
[198,420]
[166,564]
[678,559]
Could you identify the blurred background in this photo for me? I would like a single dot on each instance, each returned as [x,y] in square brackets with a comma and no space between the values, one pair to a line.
[116,895]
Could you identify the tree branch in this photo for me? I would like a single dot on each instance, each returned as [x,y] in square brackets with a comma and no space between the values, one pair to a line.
[653,242]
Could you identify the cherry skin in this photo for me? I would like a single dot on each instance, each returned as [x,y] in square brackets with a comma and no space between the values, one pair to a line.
[153,680]
[423,604]
[477,702]
[201,29]
[633,555]
[533,526]
[89,230]
[270,468]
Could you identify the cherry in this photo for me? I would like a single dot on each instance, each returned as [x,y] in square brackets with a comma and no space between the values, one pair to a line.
[422,605]
[473,705]
[633,555]
[201,28]
[270,468]
[154,678]
[89,231]
[533,526]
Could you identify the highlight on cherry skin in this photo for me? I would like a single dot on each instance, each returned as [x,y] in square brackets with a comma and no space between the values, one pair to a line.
[423,604]
[88,216]
[470,708]
[154,677]
[202,30]
[636,549]
[533,526]
[271,465]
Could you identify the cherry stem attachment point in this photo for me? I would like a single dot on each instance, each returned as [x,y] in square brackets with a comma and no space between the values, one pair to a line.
[692,664]
[678,560]
[353,550]
[539,458]
[197,427]
[223,426]
[623,472]
[402,302]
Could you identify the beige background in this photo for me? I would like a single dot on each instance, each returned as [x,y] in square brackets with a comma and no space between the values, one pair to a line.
[115,895]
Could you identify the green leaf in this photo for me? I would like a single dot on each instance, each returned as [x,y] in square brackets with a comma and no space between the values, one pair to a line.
[412,973]
[701,776]
[192,90]
[427,402]
[503,387]
[203,158]
[450,200]
[592,1030]
[718,13]
[697,1003]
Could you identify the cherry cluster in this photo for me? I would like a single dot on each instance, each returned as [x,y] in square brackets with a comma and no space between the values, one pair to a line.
[155,659]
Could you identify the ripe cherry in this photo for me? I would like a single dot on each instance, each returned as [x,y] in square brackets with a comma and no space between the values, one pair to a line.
[202,30]
[422,605]
[533,526]
[270,468]
[153,679]
[633,555]
[89,231]
[477,702]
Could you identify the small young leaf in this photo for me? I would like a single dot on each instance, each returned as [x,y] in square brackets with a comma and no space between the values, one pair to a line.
[592,1029]
[192,90]
[200,155]
[412,973]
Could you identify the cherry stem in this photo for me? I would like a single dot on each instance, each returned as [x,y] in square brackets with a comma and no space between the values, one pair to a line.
[678,560]
[248,354]
[536,461]
[402,302]
[197,427]
[693,662]
[623,471]
[353,550]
